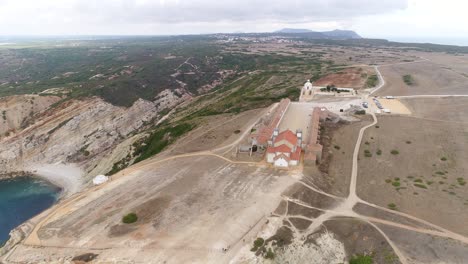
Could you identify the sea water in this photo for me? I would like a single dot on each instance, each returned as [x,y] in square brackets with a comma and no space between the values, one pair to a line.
[22,198]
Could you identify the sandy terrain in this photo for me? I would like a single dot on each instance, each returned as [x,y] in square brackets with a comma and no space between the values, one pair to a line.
[396,106]
[66,176]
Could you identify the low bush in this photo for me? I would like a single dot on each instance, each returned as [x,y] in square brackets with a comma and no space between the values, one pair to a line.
[270,254]
[392,206]
[130,218]
[443,159]
[408,79]
[257,244]
[396,183]
[361,259]
[395,152]
[420,185]
[379,152]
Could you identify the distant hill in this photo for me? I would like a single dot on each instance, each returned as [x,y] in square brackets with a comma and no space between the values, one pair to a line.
[349,34]
[334,34]
[293,30]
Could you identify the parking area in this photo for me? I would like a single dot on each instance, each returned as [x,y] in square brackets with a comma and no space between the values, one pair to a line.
[390,106]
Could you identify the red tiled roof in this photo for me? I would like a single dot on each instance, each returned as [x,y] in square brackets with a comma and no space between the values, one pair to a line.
[287,135]
[266,132]
[297,154]
[282,156]
[281,148]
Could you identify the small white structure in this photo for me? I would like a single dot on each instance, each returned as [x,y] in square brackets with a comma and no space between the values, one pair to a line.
[308,86]
[100,179]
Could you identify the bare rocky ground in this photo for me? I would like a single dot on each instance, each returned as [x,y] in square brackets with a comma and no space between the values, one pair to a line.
[17,112]
[206,204]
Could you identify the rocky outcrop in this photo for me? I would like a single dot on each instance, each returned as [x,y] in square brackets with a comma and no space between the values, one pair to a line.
[84,132]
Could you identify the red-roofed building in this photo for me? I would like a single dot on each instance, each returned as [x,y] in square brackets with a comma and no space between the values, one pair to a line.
[285,149]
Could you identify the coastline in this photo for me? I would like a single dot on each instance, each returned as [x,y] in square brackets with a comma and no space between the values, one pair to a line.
[67,177]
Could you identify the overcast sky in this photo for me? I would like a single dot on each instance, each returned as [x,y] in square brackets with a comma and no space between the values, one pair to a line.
[401,19]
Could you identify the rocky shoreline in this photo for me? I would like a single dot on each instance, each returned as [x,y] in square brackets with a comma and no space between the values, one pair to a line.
[11,175]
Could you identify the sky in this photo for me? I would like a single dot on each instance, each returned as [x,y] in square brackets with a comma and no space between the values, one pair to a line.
[390,19]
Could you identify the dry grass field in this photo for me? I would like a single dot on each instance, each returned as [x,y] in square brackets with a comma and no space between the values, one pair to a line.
[428,78]
[420,166]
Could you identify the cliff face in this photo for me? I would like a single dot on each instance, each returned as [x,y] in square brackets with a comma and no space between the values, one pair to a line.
[90,133]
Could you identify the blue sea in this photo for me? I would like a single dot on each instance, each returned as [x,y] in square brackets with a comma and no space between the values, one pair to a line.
[22,198]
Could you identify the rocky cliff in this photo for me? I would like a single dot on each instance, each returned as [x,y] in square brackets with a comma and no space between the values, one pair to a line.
[90,133]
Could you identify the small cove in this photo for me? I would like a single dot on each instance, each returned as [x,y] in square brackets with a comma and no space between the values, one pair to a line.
[22,198]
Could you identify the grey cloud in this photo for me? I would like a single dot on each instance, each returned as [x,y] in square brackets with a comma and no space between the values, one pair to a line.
[186,11]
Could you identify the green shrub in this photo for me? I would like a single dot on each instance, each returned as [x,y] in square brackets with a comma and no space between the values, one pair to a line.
[395,152]
[377,126]
[130,218]
[461,181]
[392,206]
[257,244]
[379,152]
[396,183]
[418,180]
[388,181]
[408,79]
[420,185]
[237,131]
[337,147]
[270,254]
[372,81]
[443,159]
[361,259]
[367,153]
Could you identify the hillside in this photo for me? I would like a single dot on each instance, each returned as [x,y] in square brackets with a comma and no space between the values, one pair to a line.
[334,34]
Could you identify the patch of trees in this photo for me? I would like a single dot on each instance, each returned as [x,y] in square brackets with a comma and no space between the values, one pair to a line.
[408,79]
